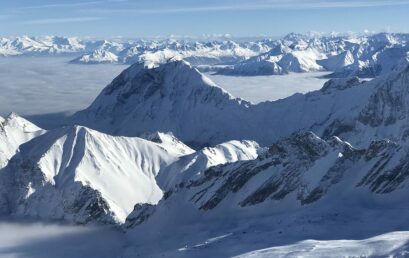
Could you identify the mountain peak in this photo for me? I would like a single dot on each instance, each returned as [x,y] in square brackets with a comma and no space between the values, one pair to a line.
[340,84]
[87,175]
[16,121]
[14,131]
[172,97]
[179,74]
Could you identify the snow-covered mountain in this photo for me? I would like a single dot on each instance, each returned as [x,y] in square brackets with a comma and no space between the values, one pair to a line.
[84,176]
[349,55]
[337,61]
[14,131]
[302,168]
[191,166]
[97,57]
[81,175]
[351,171]
[40,45]
[299,170]
[173,97]
[302,187]
[280,60]
[176,97]
[150,52]
[363,56]
[198,53]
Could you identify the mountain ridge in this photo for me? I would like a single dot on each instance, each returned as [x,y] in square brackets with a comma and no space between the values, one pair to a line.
[176,97]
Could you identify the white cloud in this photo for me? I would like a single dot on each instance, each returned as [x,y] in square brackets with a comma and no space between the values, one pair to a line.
[31,239]
[62,20]
[65,5]
[253,5]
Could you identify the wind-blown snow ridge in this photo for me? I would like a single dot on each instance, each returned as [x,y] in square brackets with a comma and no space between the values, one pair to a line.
[191,166]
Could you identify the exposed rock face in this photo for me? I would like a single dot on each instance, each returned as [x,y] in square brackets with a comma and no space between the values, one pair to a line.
[340,84]
[140,214]
[301,170]
[390,103]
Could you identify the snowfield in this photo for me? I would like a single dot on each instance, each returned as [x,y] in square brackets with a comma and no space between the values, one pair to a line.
[394,244]
[39,240]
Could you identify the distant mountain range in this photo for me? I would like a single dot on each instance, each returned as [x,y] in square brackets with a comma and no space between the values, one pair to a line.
[364,56]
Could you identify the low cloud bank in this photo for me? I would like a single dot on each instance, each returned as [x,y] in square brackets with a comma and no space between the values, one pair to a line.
[32,239]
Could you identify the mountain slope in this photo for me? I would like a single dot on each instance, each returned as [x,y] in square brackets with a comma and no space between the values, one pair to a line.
[175,97]
[303,187]
[303,169]
[14,131]
[81,175]
[191,166]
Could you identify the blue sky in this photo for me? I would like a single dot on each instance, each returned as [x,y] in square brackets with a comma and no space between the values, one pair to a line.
[150,18]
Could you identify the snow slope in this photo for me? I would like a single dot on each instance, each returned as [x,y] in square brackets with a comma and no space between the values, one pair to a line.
[81,175]
[14,131]
[394,244]
[191,166]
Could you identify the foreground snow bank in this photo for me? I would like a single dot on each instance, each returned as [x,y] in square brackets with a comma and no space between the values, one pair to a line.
[393,244]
